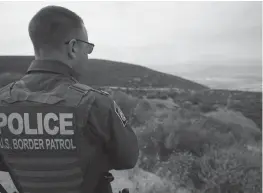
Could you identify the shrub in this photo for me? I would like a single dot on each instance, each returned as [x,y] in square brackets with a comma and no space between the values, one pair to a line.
[142,112]
[233,169]
[195,100]
[140,97]
[205,108]
[172,94]
[162,96]
[161,105]
[230,170]
[177,169]
[151,95]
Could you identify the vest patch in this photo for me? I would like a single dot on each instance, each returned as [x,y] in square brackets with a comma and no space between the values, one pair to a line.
[37,129]
[120,114]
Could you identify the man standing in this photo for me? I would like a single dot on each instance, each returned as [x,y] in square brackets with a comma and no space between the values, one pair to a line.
[57,135]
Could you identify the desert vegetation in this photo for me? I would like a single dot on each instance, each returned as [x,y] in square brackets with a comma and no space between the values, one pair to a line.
[190,146]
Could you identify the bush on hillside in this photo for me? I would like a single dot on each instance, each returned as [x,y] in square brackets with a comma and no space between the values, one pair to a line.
[157,95]
[177,169]
[195,100]
[183,131]
[151,95]
[206,108]
[161,105]
[250,109]
[142,113]
[172,94]
[162,96]
[233,169]
[200,159]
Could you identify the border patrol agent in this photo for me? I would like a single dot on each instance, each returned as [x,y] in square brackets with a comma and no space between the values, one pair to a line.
[57,135]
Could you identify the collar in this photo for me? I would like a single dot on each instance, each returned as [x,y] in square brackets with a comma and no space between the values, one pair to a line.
[52,66]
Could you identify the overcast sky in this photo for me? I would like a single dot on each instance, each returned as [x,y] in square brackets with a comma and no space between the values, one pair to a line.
[152,34]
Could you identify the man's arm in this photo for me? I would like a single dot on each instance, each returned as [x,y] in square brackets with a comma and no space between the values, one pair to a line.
[123,145]
[109,124]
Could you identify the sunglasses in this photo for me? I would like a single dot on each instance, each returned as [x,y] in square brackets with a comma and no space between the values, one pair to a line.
[90,45]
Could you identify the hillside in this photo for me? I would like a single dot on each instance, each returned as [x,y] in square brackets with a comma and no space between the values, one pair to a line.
[109,73]
[191,144]
[215,151]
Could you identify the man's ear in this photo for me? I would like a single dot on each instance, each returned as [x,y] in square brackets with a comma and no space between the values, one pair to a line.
[72,49]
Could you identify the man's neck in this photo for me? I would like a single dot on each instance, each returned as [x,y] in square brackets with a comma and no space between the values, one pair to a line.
[51,57]
[55,56]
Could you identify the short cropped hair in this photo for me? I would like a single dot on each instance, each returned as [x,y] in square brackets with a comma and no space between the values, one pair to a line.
[51,25]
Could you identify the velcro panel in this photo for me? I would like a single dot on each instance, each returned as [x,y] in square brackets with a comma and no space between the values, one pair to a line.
[38,129]
[40,144]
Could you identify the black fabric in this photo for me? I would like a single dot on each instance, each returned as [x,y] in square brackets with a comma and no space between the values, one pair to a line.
[104,185]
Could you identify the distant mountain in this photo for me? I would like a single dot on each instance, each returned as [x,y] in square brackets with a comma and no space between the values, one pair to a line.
[245,75]
[109,73]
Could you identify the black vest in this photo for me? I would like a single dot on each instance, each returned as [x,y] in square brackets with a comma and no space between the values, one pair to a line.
[41,138]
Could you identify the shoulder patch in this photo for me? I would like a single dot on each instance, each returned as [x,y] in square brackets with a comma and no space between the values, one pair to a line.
[120,114]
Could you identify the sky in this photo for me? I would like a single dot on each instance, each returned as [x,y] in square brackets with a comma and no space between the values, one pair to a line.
[174,37]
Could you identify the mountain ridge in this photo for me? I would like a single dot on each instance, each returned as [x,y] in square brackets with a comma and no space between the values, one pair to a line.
[101,72]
